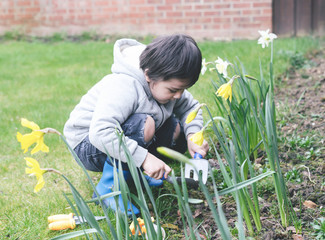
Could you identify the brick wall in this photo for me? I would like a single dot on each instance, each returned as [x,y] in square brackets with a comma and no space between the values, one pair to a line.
[212,19]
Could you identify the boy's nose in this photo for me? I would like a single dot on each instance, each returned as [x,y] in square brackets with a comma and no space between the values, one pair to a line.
[178,94]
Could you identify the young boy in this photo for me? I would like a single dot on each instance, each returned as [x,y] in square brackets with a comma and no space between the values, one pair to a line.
[146,94]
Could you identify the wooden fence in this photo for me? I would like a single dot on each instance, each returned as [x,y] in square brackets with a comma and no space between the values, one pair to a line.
[298,17]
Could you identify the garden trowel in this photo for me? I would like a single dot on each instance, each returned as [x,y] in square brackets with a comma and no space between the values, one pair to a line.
[200,166]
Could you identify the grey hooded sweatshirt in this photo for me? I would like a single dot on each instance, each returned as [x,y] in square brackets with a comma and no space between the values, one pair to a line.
[116,97]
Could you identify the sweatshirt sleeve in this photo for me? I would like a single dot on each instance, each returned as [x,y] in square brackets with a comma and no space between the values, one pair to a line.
[183,107]
[116,102]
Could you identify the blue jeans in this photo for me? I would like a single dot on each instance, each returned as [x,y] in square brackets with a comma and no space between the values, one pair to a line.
[94,160]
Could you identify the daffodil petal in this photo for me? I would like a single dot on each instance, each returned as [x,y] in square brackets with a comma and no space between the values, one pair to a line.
[26,140]
[28,171]
[197,138]
[31,162]
[40,146]
[29,124]
[39,185]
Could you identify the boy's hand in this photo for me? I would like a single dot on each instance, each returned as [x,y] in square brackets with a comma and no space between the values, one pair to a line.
[155,168]
[194,148]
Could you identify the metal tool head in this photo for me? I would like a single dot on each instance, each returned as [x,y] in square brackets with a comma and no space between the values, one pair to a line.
[83,220]
[201,166]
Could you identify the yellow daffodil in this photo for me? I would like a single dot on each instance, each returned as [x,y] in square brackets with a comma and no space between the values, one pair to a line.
[197,138]
[266,38]
[221,66]
[225,90]
[36,136]
[36,171]
[142,226]
[192,115]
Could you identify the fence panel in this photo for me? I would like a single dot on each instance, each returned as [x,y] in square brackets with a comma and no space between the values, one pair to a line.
[298,17]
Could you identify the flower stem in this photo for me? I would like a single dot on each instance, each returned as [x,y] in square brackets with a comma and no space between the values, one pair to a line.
[53,170]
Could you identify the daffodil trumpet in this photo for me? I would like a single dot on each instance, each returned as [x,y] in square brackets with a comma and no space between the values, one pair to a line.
[225,90]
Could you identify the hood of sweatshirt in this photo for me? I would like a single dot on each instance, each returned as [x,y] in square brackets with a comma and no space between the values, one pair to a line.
[126,60]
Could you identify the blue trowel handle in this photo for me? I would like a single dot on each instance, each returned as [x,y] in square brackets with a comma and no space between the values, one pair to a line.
[197,156]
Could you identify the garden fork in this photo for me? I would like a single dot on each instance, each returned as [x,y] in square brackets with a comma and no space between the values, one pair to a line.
[200,166]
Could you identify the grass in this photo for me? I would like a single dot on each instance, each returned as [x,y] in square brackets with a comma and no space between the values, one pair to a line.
[43,82]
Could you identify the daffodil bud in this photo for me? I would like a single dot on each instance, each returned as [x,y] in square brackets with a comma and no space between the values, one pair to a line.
[193,114]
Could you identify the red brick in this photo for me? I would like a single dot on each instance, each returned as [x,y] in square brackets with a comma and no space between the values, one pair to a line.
[249,25]
[174,14]
[193,14]
[23,3]
[242,5]
[226,25]
[135,2]
[263,5]
[99,3]
[154,1]
[211,14]
[241,19]
[154,14]
[221,6]
[136,15]
[267,11]
[231,12]
[262,19]
[173,1]
[183,7]
[202,7]
[202,20]
[165,8]
[183,20]
[146,9]
[32,10]
[221,19]
[55,18]
[251,12]
[165,20]
[216,26]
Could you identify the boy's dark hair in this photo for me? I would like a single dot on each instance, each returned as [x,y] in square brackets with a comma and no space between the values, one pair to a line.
[174,56]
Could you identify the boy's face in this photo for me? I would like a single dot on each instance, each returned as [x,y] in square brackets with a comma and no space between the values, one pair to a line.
[165,91]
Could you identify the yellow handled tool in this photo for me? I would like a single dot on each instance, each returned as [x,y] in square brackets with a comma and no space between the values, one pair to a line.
[65,221]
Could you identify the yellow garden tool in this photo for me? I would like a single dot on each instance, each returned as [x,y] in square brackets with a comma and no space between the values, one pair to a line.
[65,221]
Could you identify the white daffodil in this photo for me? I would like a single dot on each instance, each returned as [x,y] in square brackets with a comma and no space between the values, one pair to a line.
[204,66]
[266,38]
[222,66]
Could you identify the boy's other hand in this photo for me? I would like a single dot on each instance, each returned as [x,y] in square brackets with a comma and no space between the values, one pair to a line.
[194,148]
[155,168]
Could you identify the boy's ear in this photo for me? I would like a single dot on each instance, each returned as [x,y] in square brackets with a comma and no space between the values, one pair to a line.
[146,75]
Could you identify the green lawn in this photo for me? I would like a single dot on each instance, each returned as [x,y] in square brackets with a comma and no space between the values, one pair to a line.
[43,82]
